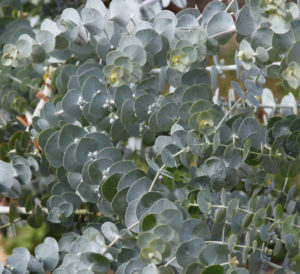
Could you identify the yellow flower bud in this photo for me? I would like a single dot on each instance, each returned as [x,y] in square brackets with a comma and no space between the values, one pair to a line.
[114,77]
[206,123]
[234,261]
[269,182]
[277,154]
[176,60]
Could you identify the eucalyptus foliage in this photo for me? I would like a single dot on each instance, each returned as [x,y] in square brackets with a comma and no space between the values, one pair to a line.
[129,153]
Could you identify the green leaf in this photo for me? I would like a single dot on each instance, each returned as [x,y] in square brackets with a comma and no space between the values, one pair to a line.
[69,134]
[117,12]
[109,188]
[197,92]
[215,168]
[92,20]
[246,148]
[221,27]
[187,252]
[279,25]
[110,231]
[216,141]
[38,54]
[146,202]
[24,46]
[232,208]
[245,25]
[45,39]
[211,9]
[262,54]
[150,269]
[161,246]
[213,254]
[150,255]
[193,228]
[232,242]
[22,174]
[214,269]
[278,213]
[53,152]
[70,103]
[95,262]
[90,87]
[127,112]
[130,177]
[194,268]
[167,155]
[220,215]
[204,200]
[13,212]
[166,116]
[47,252]
[247,220]
[252,203]
[287,224]
[237,270]
[149,221]
[37,218]
[88,147]
[161,142]
[136,54]
[294,168]
[259,217]
[293,54]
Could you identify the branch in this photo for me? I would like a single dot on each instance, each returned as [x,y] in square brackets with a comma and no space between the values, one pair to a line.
[156,177]
[208,68]
[229,111]
[133,225]
[164,166]
[220,68]
[229,5]
[253,212]
[222,33]
[237,245]
[15,79]
[148,2]
[9,224]
[22,211]
[171,260]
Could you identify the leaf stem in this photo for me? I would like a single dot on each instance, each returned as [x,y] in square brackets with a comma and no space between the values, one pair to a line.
[226,243]
[251,212]
[222,33]
[133,225]
[15,79]
[22,211]
[229,111]
[9,224]
[164,166]
[156,177]
[170,261]
[229,5]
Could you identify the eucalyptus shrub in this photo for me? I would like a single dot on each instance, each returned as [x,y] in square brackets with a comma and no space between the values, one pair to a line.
[125,148]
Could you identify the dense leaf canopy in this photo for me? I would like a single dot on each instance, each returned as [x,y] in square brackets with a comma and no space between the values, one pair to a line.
[115,135]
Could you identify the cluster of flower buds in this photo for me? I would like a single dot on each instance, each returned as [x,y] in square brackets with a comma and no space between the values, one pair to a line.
[105,174]
[81,102]
[152,108]
[109,104]
[93,155]
[113,117]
